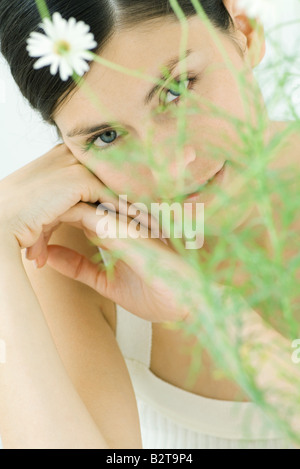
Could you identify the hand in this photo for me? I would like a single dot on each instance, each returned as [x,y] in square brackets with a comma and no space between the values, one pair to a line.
[33,198]
[150,297]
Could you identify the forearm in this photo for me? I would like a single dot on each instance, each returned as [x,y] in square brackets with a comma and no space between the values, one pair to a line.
[39,406]
[268,355]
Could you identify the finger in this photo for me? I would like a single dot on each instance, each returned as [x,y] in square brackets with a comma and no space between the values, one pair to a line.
[38,251]
[77,267]
[108,228]
[135,210]
[33,252]
[43,256]
[135,248]
[152,261]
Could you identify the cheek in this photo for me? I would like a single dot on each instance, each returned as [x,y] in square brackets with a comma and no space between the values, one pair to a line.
[222,101]
[222,91]
[109,174]
[122,177]
[112,175]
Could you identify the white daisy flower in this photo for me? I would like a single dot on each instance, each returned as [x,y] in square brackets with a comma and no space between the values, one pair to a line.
[261,9]
[64,46]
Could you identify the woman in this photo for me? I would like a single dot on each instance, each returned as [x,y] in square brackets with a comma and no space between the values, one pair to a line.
[64,379]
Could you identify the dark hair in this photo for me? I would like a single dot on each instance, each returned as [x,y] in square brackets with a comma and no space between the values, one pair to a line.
[18,18]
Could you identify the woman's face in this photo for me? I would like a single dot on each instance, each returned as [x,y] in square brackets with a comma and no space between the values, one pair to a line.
[147,48]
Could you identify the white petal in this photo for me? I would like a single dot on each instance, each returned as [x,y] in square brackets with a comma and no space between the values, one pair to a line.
[38,39]
[58,27]
[80,66]
[88,42]
[35,35]
[65,70]
[84,45]
[71,24]
[63,75]
[48,27]
[85,55]
[82,28]
[43,62]
[59,23]
[55,65]
[38,49]
[34,41]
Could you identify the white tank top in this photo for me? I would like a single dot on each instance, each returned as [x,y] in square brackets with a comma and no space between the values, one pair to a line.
[172,418]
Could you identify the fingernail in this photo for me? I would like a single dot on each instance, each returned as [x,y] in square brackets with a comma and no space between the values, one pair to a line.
[35,264]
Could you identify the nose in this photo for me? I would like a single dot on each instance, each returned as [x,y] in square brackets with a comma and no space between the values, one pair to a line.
[177,168]
[179,164]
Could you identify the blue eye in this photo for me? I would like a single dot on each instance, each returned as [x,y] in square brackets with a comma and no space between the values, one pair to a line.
[177,94]
[110,136]
[104,140]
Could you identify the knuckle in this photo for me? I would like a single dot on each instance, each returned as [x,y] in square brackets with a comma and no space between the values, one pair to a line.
[78,170]
[79,268]
[73,175]
[62,152]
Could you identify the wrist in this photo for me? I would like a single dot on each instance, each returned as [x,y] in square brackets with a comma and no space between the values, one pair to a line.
[9,245]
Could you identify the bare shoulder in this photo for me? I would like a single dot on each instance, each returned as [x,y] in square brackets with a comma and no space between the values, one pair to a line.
[287,147]
[81,323]
[287,163]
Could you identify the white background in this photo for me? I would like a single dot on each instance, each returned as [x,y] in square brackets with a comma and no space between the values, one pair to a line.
[25,137]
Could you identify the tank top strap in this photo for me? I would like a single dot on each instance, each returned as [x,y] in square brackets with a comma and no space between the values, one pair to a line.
[134,336]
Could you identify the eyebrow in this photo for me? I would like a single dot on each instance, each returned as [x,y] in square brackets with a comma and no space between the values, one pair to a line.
[170,65]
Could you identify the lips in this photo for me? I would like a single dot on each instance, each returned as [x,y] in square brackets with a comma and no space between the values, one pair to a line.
[200,187]
[205,183]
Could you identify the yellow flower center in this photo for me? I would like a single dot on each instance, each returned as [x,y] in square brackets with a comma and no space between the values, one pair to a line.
[62,47]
